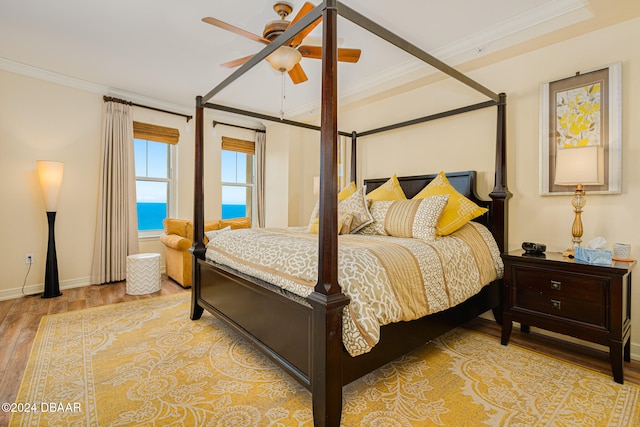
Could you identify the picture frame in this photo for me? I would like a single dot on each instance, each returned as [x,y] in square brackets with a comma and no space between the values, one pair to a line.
[562,117]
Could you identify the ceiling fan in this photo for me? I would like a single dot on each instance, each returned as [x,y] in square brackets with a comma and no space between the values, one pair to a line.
[287,57]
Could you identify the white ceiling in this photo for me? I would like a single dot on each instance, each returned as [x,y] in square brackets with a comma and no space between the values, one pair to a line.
[160,53]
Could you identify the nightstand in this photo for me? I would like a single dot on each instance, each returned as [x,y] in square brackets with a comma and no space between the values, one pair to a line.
[559,294]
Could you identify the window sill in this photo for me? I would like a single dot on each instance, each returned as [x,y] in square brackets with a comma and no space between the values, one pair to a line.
[149,235]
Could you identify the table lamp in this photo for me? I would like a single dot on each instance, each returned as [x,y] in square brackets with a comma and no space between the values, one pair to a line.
[579,166]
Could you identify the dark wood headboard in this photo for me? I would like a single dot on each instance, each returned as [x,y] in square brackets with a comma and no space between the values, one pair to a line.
[464,182]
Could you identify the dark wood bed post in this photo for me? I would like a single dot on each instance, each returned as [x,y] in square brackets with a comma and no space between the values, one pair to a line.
[354,157]
[198,249]
[327,298]
[500,194]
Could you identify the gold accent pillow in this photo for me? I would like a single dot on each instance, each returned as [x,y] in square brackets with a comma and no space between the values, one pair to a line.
[459,209]
[347,191]
[390,190]
[415,218]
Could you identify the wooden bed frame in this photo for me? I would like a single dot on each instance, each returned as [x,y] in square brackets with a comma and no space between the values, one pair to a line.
[304,335]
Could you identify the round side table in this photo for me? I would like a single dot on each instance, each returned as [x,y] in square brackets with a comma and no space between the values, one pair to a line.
[143,274]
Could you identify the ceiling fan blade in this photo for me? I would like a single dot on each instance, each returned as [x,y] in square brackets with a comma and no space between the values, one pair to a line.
[297,74]
[344,54]
[220,24]
[348,55]
[306,8]
[237,62]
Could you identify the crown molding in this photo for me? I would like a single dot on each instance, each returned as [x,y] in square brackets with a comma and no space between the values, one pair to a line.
[61,79]
[465,49]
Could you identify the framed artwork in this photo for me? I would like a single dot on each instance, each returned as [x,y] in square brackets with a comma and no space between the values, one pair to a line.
[582,111]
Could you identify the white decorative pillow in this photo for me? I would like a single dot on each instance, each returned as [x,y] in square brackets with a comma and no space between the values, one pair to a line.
[212,233]
[415,218]
[358,206]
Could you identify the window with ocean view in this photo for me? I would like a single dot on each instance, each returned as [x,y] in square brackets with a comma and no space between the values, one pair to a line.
[237,178]
[153,183]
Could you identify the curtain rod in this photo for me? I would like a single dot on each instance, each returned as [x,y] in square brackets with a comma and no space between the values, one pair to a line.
[264,117]
[122,101]
[215,123]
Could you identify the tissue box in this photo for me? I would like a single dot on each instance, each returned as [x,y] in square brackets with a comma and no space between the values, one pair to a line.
[593,256]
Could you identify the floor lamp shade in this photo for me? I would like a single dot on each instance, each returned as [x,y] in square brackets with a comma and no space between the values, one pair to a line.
[50,174]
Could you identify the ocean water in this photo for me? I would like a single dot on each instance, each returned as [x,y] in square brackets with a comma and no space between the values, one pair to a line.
[234,211]
[151,215]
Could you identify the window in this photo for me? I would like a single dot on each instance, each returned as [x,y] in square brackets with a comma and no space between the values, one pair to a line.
[153,154]
[237,178]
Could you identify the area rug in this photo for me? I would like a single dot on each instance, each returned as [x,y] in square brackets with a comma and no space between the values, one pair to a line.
[144,363]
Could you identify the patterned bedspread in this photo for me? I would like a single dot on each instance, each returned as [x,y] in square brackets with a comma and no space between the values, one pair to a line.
[388,279]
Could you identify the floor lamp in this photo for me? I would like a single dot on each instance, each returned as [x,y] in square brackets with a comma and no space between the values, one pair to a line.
[50,174]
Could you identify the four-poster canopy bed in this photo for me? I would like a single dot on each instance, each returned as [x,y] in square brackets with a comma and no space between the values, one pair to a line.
[303,334]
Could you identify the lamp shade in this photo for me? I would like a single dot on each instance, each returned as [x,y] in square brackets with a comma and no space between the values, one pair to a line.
[284,58]
[580,165]
[50,174]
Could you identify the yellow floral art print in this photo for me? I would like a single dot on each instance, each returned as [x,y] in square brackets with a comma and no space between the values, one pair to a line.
[578,120]
[583,110]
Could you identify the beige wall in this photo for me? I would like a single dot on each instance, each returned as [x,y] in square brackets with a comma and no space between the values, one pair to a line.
[40,120]
[43,120]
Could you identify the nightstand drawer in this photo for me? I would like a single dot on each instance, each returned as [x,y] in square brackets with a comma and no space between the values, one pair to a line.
[592,312]
[556,284]
[570,296]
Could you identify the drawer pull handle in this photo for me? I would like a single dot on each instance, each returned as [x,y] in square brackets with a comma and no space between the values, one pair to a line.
[555,304]
[555,285]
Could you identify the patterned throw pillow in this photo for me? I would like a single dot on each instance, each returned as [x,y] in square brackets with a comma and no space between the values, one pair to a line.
[390,190]
[342,195]
[358,206]
[459,209]
[415,218]
[378,211]
[344,225]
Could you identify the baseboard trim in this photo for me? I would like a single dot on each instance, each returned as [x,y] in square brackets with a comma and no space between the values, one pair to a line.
[35,289]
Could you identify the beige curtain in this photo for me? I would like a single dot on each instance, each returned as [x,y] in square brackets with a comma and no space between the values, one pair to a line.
[117,225]
[260,141]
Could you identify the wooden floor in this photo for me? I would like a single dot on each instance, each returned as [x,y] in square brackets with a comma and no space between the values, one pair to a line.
[19,320]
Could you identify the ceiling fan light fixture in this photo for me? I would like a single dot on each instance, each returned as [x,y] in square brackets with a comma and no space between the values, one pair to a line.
[284,58]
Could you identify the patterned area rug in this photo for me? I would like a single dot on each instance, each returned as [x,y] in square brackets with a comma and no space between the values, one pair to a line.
[144,363]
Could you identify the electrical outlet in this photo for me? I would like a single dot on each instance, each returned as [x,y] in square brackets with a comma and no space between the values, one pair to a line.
[28,259]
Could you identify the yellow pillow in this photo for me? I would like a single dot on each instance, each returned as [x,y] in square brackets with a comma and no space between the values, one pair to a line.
[458,211]
[347,191]
[390,190]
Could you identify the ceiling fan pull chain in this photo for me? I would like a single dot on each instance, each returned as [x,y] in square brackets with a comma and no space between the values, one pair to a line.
[282,99]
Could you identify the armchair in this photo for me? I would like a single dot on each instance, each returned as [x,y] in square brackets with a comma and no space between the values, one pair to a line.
[178,238]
